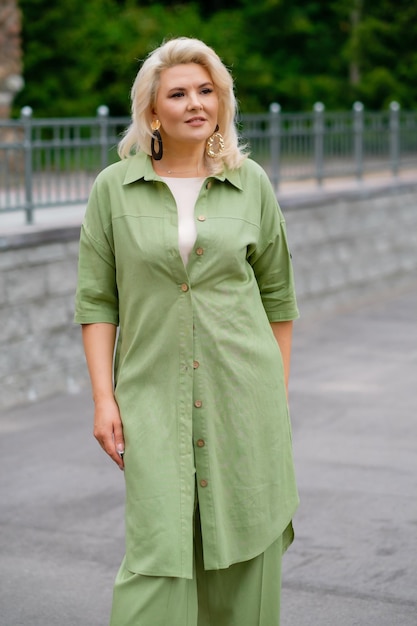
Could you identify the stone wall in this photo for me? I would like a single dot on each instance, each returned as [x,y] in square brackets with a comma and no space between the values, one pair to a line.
[348,246]
[345,247]
[40,348]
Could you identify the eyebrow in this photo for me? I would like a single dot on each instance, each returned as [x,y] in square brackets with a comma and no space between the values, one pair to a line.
[206,84]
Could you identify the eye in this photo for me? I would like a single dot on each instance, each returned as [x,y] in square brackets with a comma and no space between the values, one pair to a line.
[177,94]
[207,90]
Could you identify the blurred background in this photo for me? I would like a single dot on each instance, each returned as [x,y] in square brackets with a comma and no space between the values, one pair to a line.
[78,55]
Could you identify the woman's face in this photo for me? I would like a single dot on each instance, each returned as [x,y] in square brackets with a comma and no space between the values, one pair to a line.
[186,104]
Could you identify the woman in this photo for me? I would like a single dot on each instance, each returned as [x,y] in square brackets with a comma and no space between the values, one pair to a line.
[183,248]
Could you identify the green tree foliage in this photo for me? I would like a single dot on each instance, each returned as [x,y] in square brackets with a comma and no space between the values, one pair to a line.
[380,50]
[388,54]
[80,54]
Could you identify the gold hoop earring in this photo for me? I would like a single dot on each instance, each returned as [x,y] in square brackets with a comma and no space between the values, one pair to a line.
[215,144]
[156,135]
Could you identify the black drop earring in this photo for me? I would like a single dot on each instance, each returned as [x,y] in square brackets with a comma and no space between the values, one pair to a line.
[156,135]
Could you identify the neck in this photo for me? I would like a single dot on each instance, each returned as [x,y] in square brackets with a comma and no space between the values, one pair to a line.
[187,165]
[180,169]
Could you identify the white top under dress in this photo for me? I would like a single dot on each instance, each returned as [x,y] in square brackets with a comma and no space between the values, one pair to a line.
[185,192]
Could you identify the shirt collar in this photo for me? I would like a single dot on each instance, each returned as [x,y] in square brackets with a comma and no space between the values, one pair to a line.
[140,167]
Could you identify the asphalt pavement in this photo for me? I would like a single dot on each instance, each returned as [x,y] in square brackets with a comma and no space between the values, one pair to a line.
[354,561]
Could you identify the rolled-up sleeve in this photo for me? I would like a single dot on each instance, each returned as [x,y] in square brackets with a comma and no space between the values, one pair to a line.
[96,296]
[271,260]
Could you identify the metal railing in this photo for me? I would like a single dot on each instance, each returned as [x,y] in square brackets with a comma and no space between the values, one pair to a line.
[47,163]
[321,145]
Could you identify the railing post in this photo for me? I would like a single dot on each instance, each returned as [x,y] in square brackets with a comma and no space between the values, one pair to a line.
[358,138]
[103,118]
[275,142]
[319,141]
[394,127]
[26,117]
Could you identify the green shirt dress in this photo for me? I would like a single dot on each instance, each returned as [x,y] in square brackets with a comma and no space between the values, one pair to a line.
[198,373]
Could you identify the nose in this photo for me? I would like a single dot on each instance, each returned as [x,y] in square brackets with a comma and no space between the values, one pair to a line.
[194,101]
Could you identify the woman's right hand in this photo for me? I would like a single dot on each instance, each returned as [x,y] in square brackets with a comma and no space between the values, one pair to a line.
[108,429]
[99,340]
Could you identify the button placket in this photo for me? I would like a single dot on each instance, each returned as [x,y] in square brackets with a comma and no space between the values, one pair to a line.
[200,443]
[201,217]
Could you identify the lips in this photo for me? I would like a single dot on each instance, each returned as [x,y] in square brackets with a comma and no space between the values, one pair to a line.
[195,119]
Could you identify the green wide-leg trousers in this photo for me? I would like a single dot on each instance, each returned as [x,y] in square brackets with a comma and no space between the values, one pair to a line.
[245,594]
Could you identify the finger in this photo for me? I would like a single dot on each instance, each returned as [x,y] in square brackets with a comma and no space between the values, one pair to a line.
[121,454]
[108,445]
[119,442]
[115,454]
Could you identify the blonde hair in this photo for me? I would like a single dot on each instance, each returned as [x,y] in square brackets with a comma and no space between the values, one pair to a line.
[145,88]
